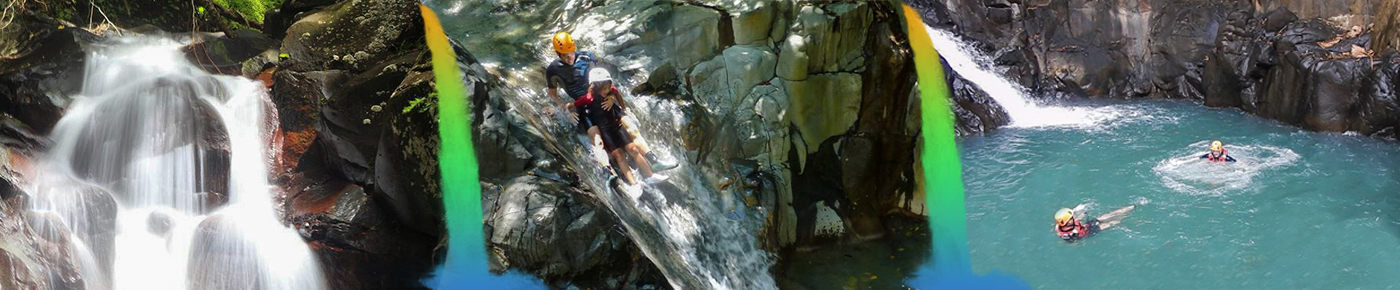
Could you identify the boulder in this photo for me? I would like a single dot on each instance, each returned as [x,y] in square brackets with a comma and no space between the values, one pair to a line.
[352,35]
[350,125]
[359,243]
[298,98]
[44,64]
[226,54]
[551,229]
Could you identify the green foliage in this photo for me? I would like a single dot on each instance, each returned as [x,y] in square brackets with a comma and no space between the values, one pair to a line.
[252,9]
[416,101]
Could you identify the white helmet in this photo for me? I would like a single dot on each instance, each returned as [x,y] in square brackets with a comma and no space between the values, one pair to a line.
[598,75]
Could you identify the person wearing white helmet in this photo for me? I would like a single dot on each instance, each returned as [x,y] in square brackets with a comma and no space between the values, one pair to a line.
[606,108]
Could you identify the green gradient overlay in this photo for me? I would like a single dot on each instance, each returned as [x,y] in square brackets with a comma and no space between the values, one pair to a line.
[466,266]
[943,190]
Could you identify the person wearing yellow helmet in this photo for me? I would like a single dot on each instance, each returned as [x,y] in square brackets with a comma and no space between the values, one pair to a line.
[1218,153]
[1068,227]
[568,73]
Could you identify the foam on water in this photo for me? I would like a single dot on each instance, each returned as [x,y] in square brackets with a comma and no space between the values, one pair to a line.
[1188,173]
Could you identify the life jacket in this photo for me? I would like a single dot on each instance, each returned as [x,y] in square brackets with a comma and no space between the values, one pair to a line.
[1223,155]
[1072,231]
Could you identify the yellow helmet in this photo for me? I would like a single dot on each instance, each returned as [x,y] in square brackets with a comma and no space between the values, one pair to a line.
[1216,145]
[1063,216]
[563,42]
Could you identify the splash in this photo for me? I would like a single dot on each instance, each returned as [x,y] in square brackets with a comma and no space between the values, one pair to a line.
[1188,173]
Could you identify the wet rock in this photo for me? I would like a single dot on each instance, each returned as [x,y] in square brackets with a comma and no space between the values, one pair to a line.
[221,258]
[87,211]
[225,54]
[350,142]
[500,137]
[406,165]
[43,64]
[28,259]
[551,229]
[298,97]
[1381,108]
[358,243]
[380,28]
[180,118]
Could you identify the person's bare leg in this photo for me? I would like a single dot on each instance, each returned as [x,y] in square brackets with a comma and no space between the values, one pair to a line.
[622,167]
[637,138]
[597,145]
[640,158]
[1114,217]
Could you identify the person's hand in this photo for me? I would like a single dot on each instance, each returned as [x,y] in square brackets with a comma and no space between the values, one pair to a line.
[548,110]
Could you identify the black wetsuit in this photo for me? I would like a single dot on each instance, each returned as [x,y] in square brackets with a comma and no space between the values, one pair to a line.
[609,122]
[573,79]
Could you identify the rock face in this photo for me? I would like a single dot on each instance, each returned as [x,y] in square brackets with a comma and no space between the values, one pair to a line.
[357,141]
[1307,63]
[546,228]
[804,112]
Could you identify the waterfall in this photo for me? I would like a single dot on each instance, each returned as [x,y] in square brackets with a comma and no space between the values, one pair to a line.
[1023,111]
[160,171]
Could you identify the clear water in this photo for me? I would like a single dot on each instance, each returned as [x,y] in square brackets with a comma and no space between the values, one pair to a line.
[1300,210]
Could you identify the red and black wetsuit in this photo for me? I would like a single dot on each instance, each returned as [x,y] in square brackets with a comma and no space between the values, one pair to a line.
[607,119]
[1076,230]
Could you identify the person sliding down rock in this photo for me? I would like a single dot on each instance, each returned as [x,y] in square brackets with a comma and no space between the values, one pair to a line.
[605,109]
[1217,153]
[568,73]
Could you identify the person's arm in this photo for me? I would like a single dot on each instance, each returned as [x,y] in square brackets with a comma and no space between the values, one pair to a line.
[1229,158]
[552,86]
[1204,156]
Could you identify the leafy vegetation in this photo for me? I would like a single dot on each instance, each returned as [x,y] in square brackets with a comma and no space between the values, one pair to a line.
[252,9]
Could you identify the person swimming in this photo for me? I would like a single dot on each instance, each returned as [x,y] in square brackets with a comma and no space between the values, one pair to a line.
[1218,153]
[1069,229]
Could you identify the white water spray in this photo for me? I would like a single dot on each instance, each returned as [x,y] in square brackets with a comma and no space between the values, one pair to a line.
[159,170]
[1188,173]
[1023,111]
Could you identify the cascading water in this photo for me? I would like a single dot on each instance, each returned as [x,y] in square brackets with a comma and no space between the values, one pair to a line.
[160,173]
[679,224]
[1023,111]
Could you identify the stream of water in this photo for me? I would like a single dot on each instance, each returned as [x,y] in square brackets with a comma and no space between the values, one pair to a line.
[182,154]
